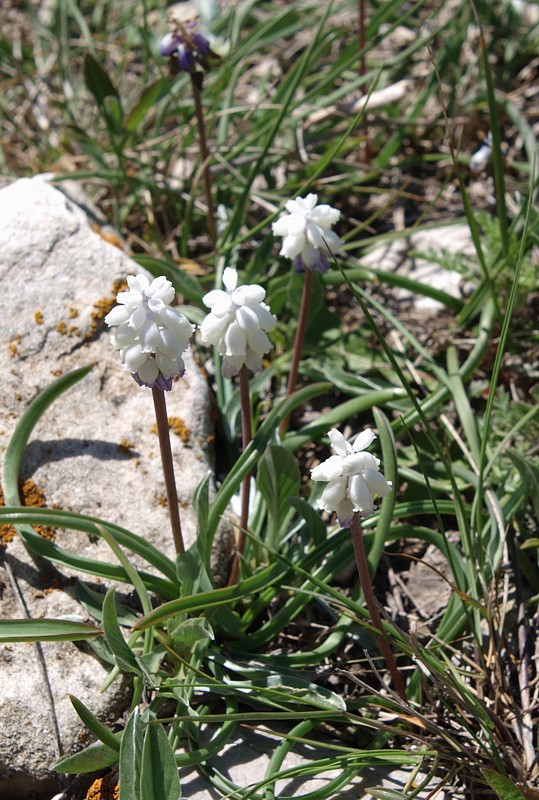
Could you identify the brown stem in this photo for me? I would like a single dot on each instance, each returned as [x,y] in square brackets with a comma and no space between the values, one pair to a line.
[298,344]
[168,468]
[246,436]
[366,585]
[205,155]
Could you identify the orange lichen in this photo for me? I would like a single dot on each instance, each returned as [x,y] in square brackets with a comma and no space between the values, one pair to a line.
[106,788]
[61,327]
[12,346]
[39,318]
[73,312]
[124,446]
[103,306]
[31,497]
[178,426]
[162,500]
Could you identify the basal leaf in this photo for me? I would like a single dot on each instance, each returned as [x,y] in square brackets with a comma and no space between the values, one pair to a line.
[46,630]
[91,759]
[159,778]
[125,658]
[131,758]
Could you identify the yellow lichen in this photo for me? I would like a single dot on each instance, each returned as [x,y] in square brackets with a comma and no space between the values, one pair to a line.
[38,316]
[32,496]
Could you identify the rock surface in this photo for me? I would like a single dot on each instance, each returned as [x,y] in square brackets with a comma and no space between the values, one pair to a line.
[94,451]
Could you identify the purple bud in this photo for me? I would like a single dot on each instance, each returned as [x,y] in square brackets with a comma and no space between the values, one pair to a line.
[186,61]
[201,43]
[321,265]
[161,383]
[169,44]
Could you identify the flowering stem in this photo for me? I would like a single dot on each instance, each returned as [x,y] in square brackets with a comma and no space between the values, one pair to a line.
[366,585]
[168,468]
[246,436]
[205,155]
[298,344]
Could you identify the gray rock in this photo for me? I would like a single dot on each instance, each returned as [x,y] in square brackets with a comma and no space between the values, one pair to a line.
[93,452]
[405,257]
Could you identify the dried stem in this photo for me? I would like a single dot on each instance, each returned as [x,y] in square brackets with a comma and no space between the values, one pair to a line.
[366,585]
[246,436]
[168,468]
[298,344]
[205,155]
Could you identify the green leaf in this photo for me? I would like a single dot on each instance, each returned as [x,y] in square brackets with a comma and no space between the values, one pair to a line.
[46,630]
[188,633]
[159,778]
[93,758]
[125,658]
[148,97]
[385,794]
[98,81]
[99,730]
[504,788]
[131,758]
[313,520]
[201,504]
[278,481]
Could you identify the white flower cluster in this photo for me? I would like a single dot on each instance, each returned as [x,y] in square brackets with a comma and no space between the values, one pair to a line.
[237,324]
[308,238]
[354,477]
[150,335]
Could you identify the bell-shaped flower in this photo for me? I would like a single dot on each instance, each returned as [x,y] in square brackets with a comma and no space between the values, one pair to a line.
[150,335]
[237,324]
[188,48]
[353,477]
[307,236]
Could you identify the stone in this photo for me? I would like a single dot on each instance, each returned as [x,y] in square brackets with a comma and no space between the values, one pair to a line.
[94,451]
[410,257]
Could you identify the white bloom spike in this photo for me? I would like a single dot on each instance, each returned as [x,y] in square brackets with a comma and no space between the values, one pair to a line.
[150,335]
[307,235]
[353,476]
[237,324]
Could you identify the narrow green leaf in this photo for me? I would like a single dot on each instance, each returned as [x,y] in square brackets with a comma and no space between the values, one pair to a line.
[125,658]
[131,758]
[98,81]
[148,97]
[385,794]
[278,480]
[21,434]
[504,788]
[99,730]
[201,504]
[313,520]
[46,630]
[159,778]
[93,758]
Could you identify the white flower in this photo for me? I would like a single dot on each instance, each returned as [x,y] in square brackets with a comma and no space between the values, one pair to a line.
[150,335]
[353,477]
[237,324]
[308,238]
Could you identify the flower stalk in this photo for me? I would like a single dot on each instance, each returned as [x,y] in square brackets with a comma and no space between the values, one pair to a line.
[163,433]
[246,436]
[370,600]
[204,155]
